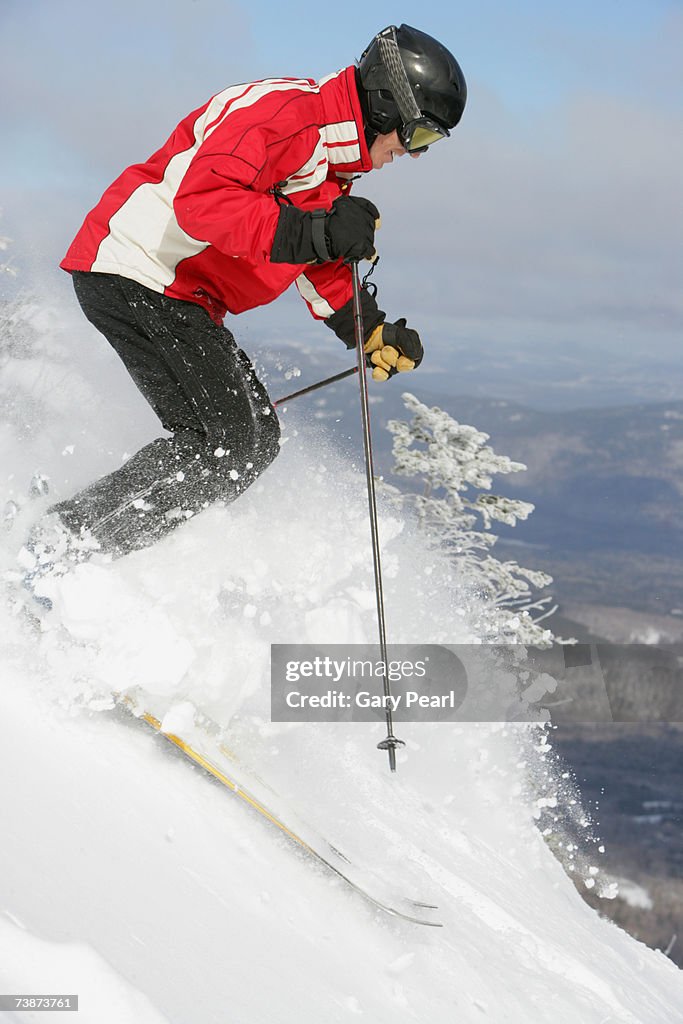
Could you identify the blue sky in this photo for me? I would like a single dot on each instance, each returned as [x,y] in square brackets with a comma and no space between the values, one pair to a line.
[555,212]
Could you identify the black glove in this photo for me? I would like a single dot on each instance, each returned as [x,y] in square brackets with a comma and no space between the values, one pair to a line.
[390,348]
[342,322]
[393,348]
[350,228]
[347,231]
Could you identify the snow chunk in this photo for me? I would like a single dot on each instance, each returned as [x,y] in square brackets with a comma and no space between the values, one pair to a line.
[633,894]
[179,720]
[402,963]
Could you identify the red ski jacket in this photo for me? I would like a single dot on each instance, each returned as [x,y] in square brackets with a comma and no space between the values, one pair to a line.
[197,220]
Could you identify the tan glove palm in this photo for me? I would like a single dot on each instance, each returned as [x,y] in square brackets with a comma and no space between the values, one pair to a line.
[388,359]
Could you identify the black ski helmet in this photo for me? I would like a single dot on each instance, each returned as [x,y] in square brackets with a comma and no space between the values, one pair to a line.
[404,73]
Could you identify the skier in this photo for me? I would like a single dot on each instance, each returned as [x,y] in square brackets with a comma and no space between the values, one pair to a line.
[249,194]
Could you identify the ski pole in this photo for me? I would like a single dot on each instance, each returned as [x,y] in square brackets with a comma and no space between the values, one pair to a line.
[391,742]
[314,387]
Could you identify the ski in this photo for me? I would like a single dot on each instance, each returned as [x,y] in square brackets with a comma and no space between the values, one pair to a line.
[219,762]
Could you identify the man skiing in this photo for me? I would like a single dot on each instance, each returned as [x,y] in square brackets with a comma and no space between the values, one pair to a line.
[249,195]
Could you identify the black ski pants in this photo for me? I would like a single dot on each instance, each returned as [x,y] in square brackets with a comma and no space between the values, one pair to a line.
[224,429]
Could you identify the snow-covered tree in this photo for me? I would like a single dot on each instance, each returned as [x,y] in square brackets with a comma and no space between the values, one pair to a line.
[455,465]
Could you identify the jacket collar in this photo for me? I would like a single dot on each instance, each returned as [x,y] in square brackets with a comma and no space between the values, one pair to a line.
[347,149]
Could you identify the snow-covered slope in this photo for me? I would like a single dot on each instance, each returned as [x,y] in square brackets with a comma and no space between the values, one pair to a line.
[127,877]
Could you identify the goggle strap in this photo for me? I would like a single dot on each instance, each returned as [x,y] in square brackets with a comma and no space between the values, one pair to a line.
[396,73]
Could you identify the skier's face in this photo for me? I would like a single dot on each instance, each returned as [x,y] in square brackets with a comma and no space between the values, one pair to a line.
[385,148]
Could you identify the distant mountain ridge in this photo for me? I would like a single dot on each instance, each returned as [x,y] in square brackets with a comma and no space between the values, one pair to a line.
[607,485]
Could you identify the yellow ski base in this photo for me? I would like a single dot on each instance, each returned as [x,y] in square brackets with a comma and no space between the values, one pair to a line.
[212,769]
[412,908]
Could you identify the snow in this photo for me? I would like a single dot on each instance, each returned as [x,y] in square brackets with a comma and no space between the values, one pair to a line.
[128,877]
[118,846]
[633,894]
[70,969]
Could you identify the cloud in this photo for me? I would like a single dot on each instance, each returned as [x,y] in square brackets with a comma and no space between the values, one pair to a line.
[573,218]
[552,216]
[106,87]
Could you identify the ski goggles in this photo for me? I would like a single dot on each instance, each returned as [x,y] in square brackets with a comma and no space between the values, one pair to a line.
[419,134]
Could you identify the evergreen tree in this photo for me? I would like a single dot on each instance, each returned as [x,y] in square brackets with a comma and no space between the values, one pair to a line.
[455,464]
